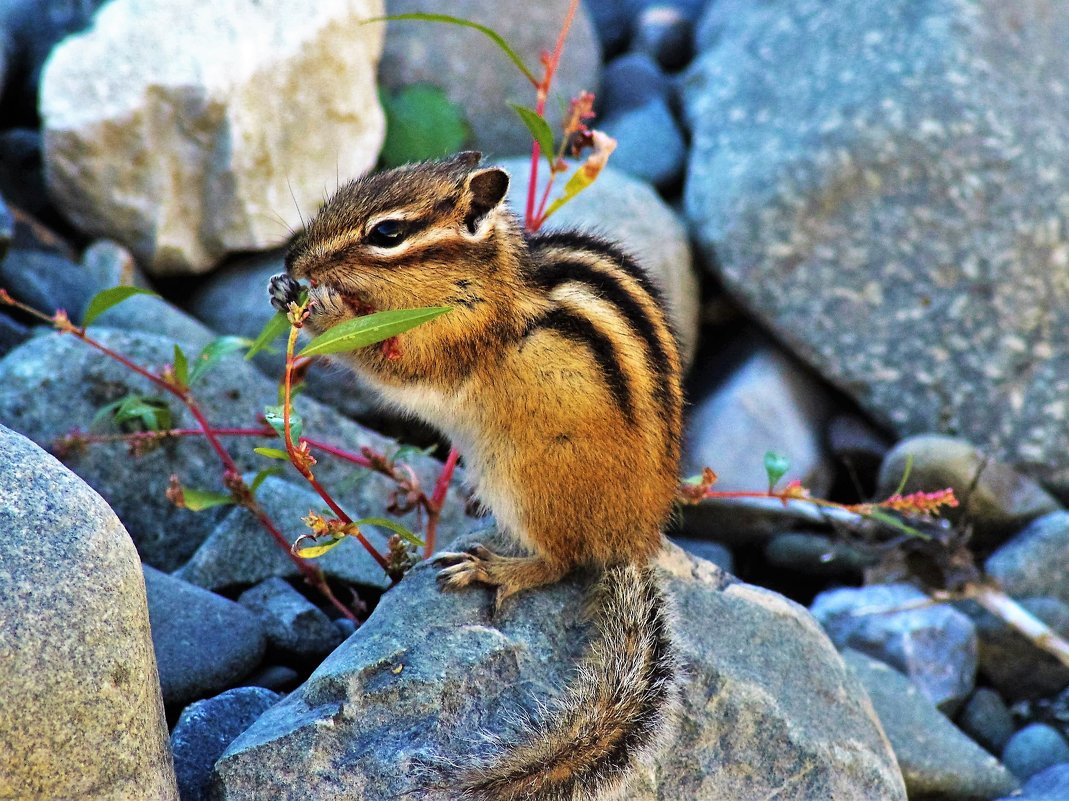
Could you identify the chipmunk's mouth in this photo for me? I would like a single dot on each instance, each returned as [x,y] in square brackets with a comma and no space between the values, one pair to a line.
[357,304]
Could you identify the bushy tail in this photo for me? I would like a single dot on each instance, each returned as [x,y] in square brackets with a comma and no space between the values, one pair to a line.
[615,715]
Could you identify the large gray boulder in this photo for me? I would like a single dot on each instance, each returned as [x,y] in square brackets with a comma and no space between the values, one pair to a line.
[767,703]
[883,185]
[189,130]
[477,76]
[80,708]
[54,383]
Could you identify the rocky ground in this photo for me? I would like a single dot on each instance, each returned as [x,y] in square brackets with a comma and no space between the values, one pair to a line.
[859,214]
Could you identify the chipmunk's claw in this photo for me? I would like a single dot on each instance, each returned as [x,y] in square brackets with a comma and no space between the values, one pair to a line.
[460,569]
[283,290]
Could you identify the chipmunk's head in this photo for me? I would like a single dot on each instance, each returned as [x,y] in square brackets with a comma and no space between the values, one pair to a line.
[428,234]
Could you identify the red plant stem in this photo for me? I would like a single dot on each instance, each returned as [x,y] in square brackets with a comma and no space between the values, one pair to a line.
[298,459]
[550,68]
[434,505]
[340,453]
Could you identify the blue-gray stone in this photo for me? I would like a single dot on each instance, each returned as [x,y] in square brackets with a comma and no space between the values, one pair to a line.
[47,281]
[881,184]
[719,555]
[205,729]
[664,33]
[986,718]
[203,641]
[629,82]
[7,228]
[649,144]
[817,555]
[935,645]
[22,179]
[937,760]
[1034,748]
[612,21]
[1051,784]
[12,333]
[1036,560]
[294,626]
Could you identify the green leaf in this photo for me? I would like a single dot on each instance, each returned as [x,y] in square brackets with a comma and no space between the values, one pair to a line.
[272,453]
[905,475]
[213,352]
[198,500]
[369,329]
[493,35]
[105,299]
[539,129]
[275,327]
[776,466]
[152,414]
[263,474]
[274,418]
[894,522]
[181,366]
[421,123]
[396,528]
[312,551]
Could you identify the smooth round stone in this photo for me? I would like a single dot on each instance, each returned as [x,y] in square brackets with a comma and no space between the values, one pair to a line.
[1034,748]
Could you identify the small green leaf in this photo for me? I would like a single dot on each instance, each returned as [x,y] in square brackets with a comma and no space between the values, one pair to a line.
[894,522]
[396,528]
[181,366]
[263,474]
[198,500]
[539,129]
[312,551]
[421,123]
[497,38]
[104,300]
[152,414]
[776,466]
[905,475]
[369,329]
[272,453]
[274,418]
[275,327]
[213,352]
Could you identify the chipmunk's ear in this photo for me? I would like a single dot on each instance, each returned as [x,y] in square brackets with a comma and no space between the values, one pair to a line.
[466,158]
[487,189]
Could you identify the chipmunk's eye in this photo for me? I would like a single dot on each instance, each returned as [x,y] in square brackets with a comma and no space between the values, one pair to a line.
[387,234]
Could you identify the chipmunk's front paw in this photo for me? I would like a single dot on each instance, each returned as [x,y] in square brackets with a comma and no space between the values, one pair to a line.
[463,568]
[283,291]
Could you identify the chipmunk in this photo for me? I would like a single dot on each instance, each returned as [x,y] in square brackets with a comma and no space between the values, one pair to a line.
[557,376]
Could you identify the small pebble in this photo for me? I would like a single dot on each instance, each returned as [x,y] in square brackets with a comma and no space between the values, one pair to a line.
[1034,748]
[631,81]
[986,718]
[665,34]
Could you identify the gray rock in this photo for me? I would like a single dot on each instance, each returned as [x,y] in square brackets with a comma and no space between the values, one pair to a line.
[278,678]
[33,401]
[477,76]
[80,708]
[817,555]
[631,81]
[203,641]
[666,34]
[937,760]
[745,521]
[234,301]
[12,334]
[858,178]
[612,21]
[1036,560]
[1051,784]
[767,404]
[294,626]
[236,554]
[206,728]
[1014,666]
[713,552]
[1034,748]
[996,499]
[46,281]
[934,645]
[187,131]
[854,442]
[630,212]
[649,144]
[755,707]
[987,720]
[109,264]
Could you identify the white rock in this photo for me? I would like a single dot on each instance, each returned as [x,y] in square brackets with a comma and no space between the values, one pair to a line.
[188,130]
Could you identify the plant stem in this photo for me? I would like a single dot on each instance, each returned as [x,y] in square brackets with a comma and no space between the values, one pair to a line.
[434,505]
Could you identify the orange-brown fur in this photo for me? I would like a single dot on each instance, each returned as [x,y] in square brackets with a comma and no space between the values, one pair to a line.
[575,452]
